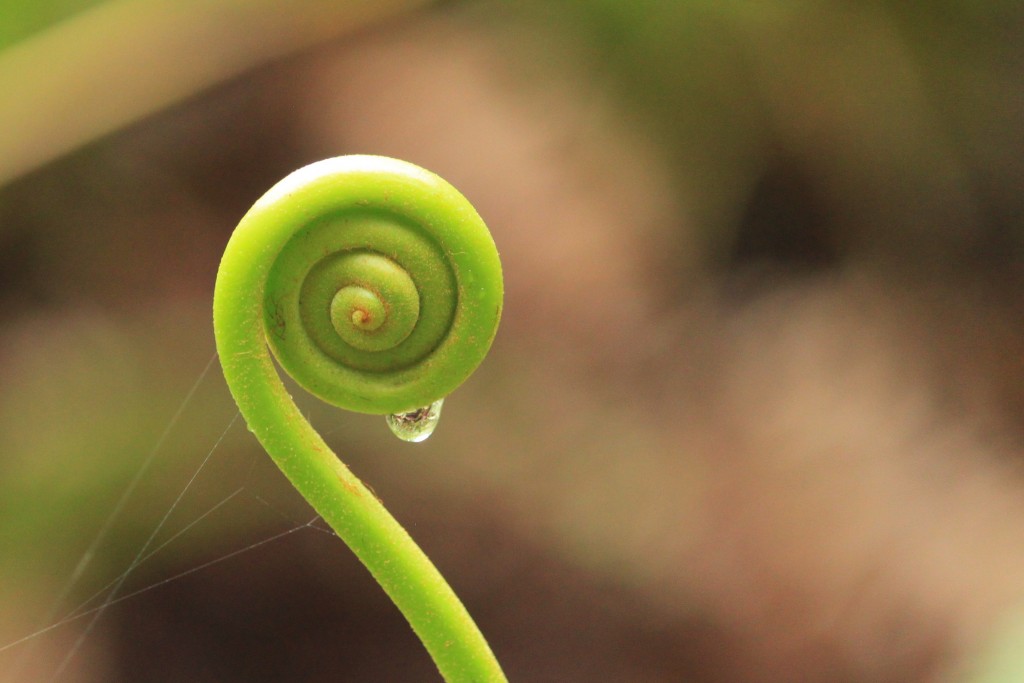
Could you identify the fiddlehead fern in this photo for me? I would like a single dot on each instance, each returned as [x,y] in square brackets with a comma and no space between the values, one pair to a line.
[379,289]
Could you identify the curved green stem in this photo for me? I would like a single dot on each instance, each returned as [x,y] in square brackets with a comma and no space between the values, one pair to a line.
[342,190]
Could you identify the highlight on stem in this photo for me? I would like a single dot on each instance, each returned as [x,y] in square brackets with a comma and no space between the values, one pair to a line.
[378,288]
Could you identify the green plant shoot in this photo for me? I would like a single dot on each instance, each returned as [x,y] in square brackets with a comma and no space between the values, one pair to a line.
[379,290]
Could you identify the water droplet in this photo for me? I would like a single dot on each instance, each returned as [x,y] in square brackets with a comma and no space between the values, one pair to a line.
[416,425]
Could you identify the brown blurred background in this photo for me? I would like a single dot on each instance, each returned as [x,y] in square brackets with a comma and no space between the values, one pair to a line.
[755,413]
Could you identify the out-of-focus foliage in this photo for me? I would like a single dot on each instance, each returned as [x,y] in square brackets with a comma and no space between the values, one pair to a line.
[22,18]
[126,59]
[895,121]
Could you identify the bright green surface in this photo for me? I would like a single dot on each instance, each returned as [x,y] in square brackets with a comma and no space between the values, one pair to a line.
[289,247]
[349,221]
[21,18]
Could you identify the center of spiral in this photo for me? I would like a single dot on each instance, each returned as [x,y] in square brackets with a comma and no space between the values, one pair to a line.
[356,311]
[357,307]
[376,304]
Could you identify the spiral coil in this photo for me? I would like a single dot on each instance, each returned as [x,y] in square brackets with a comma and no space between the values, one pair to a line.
[384,292]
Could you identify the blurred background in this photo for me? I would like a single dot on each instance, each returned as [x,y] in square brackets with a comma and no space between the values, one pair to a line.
[755,413]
